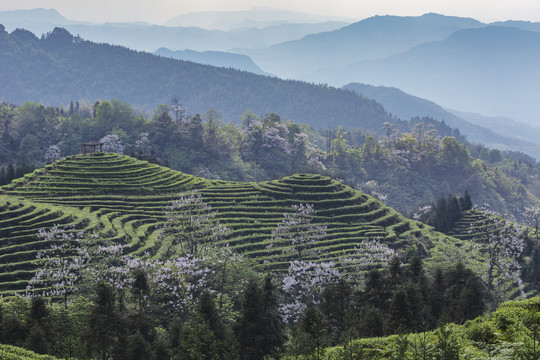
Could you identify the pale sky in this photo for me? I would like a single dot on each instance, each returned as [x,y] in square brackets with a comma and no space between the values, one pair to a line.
[159,11]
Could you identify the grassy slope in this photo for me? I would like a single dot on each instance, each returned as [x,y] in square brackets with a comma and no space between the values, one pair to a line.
[499,335]
[123,198]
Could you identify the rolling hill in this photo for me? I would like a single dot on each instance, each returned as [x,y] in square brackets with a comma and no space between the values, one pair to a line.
[60,68]
[124,200]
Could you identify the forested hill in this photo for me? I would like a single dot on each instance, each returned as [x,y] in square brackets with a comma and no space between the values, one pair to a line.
[60,67]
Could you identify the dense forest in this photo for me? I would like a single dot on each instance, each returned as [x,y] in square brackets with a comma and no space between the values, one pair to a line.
[405,169]
[78,69]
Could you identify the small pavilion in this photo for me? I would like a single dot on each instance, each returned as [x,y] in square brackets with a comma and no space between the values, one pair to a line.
[91,146]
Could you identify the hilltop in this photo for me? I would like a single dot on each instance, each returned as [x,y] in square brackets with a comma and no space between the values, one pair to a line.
[124,198]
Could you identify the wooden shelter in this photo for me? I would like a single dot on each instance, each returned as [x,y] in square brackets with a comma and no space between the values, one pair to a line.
[90,147]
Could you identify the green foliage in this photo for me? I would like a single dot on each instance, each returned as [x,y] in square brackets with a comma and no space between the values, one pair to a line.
[119,69]
[511,332]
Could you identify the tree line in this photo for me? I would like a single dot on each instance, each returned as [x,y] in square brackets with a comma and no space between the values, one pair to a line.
[404,169]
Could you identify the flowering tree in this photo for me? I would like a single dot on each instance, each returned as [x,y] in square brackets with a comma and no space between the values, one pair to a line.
[299,229]
[111,266]
[303,283]
[502,242]
[191,227]
[59,267]
[112,143]
[179,282]
[367,254]
[142,145]
[52,154]
[532,214]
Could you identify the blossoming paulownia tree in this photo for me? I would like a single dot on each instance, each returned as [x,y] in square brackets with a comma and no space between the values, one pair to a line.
[59,266]
[191,227]
[298,228]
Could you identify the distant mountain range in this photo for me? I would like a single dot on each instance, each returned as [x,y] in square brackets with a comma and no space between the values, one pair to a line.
[255,18]
[214,58]
[490,70]
[373,38]
[148,37]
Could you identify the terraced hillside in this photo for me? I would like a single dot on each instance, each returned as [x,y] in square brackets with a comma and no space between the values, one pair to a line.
[480,228]
[124,199]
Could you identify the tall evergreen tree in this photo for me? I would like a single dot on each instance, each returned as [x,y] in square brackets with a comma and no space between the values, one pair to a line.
[259,329]
[337,299]
[102,323]
[41,333]
[312,331]
[250,323]
[400,315]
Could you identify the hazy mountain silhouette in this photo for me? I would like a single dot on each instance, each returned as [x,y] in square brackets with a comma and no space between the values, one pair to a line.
[372,38]
[214,58]
[257,18]
[523,25]
[38,21]
[490,70]
[147,37]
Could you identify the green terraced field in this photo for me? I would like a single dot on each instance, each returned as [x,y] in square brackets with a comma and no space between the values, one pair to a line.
[124,199]
[471,228]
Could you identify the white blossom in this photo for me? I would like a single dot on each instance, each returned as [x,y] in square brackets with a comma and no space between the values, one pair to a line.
[112,143]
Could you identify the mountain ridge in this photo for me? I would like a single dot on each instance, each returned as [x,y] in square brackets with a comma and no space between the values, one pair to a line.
[472,70]
[146,80]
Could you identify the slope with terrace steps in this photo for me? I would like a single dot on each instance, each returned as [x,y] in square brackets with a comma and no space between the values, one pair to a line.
[124,199]
[20,222]
[473,228]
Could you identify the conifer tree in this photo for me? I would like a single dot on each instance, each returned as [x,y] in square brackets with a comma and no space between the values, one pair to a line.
[312,331]
[274,335]
[250,323]
[259,329]
[336,303]
[400,315]
[102,323]
[41,333]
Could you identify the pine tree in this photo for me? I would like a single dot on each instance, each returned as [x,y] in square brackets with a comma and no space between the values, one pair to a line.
[395,273]
[139,348]
[140,288]
[400,315]
[467,202]
[102,323]
[250,323]
[259,329]
[41,333]
[312,331]
[335,305]
[204,335]
[274,334]
[36,340]
[1,324]
[471,299]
